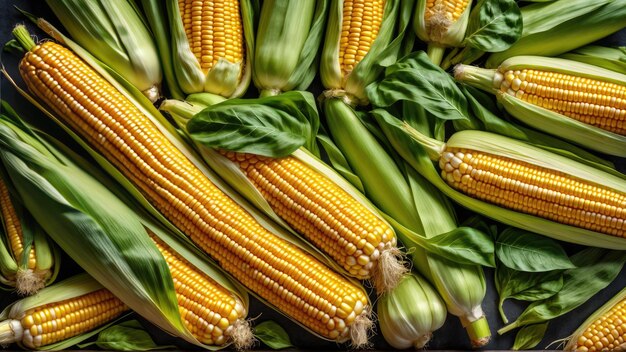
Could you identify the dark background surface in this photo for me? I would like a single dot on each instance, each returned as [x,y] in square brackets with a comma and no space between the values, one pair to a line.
[451,336]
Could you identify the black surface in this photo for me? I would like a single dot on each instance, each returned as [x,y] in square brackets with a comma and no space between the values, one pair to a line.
[450,337]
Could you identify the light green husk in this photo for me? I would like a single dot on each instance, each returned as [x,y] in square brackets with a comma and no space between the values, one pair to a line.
[573,339]
[410,313]
[439,31]
[72,287]
[182,70]
[553,28]
[543,119]
[610,58]
[116,34]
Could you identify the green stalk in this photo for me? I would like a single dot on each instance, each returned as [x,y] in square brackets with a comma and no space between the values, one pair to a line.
[435,53]
[481,78]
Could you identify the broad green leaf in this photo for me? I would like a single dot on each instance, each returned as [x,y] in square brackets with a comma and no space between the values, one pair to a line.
[595,269]
[272,126]
[525,251]
[529,336]
[494,25]
[273,335]
[125,336]
[415,78]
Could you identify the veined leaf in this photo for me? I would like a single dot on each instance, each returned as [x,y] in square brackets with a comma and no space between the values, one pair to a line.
[273,335]
[529,336]
[524,251]
[494,25]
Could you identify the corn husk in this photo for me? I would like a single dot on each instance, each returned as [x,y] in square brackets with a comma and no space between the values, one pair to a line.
[553,28]
[409,314]
[72,287]
[543,119]
[610,58]
[182,70]
[123,40]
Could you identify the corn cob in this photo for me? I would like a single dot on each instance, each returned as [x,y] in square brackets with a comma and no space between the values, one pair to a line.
[570,99]
[281,273]
[604,330]
[33,270]
[529,188]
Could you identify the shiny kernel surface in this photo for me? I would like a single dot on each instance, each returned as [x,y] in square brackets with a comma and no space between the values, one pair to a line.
[359,28]
[607,333]
[13,228]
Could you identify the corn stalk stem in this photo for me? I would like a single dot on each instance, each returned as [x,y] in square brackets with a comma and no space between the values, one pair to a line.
[435,53]
[433,147]
[23,37]
[480,78]
[507,328]
[479,332]
[10,331]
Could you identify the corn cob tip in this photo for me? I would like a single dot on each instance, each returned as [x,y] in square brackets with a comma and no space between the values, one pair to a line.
[361,329]
[242,335]
[423,341]
[389,269]
[152,93]
[10,331]
[28,281]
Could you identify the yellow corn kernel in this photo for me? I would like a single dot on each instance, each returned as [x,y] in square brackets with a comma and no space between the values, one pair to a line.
[320,210]
[62,320]
[281,273]
[594,102]
[360,24]
[444,10]
[607,333]
[214,30]
[13,227]
[535,190]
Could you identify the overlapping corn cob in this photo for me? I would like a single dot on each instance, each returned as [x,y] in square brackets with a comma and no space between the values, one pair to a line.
[604,330]
[577,101]
[278,271]
[28,269]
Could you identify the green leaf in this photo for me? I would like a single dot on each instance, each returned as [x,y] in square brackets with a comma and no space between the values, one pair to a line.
[272,126]
[339,162]
[525,286]
[525,251]
[126,336]
[529,336]
[273,335]
[415,78]
[494,25]
[596,269]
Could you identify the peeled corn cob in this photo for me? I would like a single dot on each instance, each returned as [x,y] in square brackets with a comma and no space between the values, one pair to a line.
[604,330]
[61,312]
[281,273]
[576,101]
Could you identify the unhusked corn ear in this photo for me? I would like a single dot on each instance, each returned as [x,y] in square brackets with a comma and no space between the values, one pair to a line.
[209,311]
[62,320]
[605,330]
[582,103]
[535,190]
[361,21]
[213,29]
[278,271]
[13,227]
[320,210]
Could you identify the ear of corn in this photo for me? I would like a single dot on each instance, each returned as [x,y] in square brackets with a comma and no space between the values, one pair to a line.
[206,46]
[409,314]
[582,103]
[553,28]
[287,45]
[28,261]
[262,263]
[547,193]
[360,35]
[441,23]
[604,330]
[304,194]
[124,41]
[60,315]
[147,268]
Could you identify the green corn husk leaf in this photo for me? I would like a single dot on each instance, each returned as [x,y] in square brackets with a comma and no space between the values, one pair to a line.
[181,68]
[98,230]
[610,58]
[182,142]
[123,40]
[410,313]
[573,338]
[418,150]
[72,287]
[125,336]
[14,271]
[574,23]
[543,119]
[439,31]
[287,45]
[384,51]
